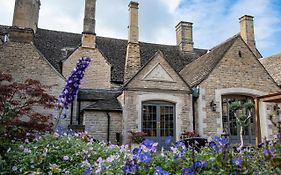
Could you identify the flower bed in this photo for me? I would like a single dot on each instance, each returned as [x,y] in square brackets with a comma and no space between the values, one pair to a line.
[77,154]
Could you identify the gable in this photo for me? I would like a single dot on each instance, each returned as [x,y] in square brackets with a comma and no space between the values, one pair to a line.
[240,68]
[157,74]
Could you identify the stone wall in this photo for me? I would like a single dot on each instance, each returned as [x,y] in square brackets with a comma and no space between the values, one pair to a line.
[132,111]
[98,74]
[96,124]
[24,61]
[233,75]
[156,81]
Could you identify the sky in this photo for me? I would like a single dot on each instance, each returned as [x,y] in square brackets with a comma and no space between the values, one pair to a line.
[213,20]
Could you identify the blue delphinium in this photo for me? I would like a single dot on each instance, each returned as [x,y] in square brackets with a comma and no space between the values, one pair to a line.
[72,84]
[236,161]
[159,171]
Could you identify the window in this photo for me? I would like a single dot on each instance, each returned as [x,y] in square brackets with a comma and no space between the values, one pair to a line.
[230,124]
[158,119]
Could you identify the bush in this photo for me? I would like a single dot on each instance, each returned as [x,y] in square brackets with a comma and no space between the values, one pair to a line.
[71,154]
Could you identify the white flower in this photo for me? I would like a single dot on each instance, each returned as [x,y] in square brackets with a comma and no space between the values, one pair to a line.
[26,150]
[65,158]
[50,173]
[14,168]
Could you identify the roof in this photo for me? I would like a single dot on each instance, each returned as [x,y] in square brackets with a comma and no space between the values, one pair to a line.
[51,43]
[271,64]
[197,71]
[102,100]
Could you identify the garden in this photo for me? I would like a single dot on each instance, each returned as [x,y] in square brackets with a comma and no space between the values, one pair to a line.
[35,145]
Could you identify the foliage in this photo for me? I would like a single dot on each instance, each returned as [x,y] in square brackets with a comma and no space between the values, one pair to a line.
[137,137]
[70,154]
[242,113]
[17,114]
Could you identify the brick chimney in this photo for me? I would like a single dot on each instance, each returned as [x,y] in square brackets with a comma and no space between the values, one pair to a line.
[133,63]
[88,34]
[247,32]
[26,14]
[184,36]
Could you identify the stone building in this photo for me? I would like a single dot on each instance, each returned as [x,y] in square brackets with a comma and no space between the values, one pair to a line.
[163,90]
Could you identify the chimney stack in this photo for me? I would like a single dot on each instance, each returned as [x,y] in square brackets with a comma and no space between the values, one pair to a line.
[184,36]
[133,63]
[26,14]
[88,34]
[247,32]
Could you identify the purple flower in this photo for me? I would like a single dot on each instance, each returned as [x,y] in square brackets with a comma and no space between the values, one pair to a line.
[268,152]
[168,140]
[149,145]
[136,152]
[159,171]
[199,163]
[221,141]
[130,167]
[214,147]
[72,84]
[180,149]
[187,171]
[236,161]
[278,136]
[145,157]
[87,171]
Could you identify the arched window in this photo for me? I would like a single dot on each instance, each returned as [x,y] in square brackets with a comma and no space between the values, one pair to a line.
[230,124]
[158,120]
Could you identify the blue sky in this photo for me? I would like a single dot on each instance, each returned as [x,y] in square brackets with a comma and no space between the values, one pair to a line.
[213,20]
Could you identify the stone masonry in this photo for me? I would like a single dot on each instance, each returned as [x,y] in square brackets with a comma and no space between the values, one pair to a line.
[233,72]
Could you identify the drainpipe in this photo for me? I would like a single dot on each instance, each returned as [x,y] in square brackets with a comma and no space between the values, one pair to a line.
[108,126]
[195,95]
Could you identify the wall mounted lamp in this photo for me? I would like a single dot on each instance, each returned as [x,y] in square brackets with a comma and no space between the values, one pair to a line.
[213,106]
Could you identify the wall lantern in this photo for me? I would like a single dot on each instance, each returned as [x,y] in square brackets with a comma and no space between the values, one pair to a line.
[276,108]
[213,106]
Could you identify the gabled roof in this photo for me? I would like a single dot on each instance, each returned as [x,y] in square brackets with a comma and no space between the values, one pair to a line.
[197,71]
[158,52]
[50,43]
[273,64]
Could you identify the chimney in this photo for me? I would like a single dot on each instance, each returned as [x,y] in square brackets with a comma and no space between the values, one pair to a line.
[26,14]
[88,34]
[132,64]
[184,36]
[247,32]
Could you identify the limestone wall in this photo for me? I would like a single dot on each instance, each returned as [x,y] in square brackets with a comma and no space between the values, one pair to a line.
[96,124]
[233,75]
[98,74]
